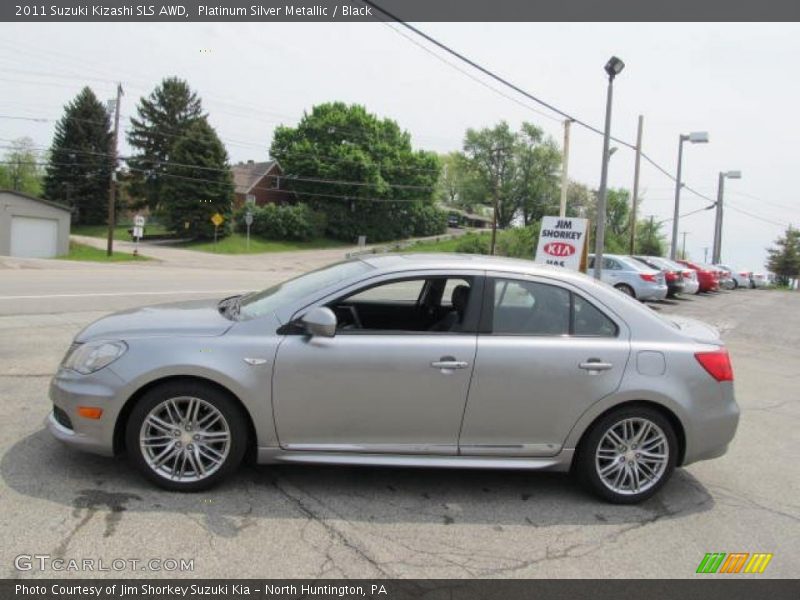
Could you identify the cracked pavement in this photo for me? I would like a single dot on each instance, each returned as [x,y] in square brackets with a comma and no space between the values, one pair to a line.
[325,521]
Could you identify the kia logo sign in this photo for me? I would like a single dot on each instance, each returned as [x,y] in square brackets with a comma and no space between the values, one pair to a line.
[559,249]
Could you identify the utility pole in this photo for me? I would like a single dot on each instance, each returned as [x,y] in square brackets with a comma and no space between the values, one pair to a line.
[112,183]
[17,175]
[562,212]
[683,251]
[635,199]
[705,254]
[716,251]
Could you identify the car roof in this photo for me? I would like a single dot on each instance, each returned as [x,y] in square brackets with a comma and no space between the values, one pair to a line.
[452,260]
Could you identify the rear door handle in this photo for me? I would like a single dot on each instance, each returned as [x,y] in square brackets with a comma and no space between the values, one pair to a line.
[595,365]
[449,364]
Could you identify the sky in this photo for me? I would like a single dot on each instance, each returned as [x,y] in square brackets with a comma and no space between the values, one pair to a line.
[735,81]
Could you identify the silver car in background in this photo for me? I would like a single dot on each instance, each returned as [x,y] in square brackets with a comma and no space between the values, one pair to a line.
[631,277]
[416,361]
[741,279]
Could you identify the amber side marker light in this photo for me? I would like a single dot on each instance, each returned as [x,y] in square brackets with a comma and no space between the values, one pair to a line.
[90,412]
[717,363]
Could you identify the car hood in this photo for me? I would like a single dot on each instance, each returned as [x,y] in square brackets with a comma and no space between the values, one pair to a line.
[697,330]
[192,318]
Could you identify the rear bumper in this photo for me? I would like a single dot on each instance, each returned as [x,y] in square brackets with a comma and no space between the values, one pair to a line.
[652,292]
[713,427]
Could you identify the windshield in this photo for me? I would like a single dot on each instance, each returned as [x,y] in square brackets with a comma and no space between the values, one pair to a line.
[260,303]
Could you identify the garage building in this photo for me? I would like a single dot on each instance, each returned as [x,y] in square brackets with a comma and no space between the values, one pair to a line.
[32,227]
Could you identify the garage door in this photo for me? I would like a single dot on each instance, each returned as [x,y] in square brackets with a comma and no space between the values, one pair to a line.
[34,237]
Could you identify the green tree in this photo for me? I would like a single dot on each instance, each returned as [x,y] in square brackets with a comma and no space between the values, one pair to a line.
[79,168]
[784,258]
[491,153]
[650,241]
[162,118]
[536,187]
[21,169]
[197,183]
[361,171]
[459,185]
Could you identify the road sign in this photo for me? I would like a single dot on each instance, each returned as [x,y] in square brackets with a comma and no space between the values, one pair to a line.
[248,219]
[561,242]
[217,219]
[138,221]
[138,231]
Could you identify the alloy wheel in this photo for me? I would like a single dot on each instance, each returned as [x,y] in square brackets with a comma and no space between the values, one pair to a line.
[632,456]
[185,439]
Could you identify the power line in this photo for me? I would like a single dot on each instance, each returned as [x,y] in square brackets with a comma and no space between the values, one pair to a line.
[523,92]
[755,216]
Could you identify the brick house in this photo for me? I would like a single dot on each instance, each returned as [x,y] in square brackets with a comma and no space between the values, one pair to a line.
[259,183]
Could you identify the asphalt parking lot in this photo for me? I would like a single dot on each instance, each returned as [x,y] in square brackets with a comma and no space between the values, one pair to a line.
[301,521]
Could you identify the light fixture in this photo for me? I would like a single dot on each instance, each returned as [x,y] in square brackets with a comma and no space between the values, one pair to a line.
[614,67]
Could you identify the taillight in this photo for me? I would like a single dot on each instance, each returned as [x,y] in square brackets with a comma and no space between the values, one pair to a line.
[717,363]
[743,274]
[671,276]
[648,277]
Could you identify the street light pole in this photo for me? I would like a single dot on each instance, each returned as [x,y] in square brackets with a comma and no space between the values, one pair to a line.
[613,68]
[716,251]
[696,137]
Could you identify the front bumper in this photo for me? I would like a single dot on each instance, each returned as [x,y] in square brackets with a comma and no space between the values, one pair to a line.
[68,391]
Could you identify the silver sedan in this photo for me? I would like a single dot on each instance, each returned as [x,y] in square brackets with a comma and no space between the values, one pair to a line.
[418,360]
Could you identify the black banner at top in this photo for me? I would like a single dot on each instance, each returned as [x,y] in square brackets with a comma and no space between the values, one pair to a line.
[406,10]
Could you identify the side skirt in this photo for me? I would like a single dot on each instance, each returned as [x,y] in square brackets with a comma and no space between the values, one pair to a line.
[560,462]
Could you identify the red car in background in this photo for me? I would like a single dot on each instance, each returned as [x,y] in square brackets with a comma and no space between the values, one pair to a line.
[708,278]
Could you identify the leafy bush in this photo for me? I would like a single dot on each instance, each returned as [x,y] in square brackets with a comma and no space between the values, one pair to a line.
[289,222]
[381,223]
[473,243]
[519,242]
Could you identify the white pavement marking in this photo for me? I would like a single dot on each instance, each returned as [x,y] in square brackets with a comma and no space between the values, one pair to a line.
[98,294]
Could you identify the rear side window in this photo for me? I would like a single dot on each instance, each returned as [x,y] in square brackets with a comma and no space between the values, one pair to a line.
[589,321]
[526,307]
[533,308]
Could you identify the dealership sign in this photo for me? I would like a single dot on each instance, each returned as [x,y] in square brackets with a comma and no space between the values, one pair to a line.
[561,242]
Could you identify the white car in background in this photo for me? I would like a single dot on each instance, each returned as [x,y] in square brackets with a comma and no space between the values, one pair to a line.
[741,279]
[690,283]
[759,280]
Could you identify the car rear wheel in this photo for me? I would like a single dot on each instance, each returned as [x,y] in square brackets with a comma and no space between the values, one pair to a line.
[626,289]
[628,455]
[186,436]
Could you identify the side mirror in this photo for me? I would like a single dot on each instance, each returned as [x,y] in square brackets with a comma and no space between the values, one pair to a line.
[320,321]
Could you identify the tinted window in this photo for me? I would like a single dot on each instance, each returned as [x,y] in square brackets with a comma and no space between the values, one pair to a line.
[589,321]
[525,307]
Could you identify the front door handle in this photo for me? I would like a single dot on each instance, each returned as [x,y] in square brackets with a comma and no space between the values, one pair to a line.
[595,365]
[447,362]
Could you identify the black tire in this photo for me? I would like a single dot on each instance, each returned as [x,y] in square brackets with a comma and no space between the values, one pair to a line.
[626,289]
[221,401]
[586,467]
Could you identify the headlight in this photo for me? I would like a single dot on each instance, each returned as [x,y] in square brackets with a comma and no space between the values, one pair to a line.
[93,356]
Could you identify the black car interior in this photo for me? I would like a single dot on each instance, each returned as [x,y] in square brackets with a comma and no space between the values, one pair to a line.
[438,307]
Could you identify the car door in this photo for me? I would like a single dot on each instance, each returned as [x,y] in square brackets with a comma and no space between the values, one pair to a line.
[545,354]
[378,389]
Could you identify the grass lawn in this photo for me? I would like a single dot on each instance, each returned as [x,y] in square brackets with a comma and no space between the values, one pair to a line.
[83,252]
[432,246]
[236,243]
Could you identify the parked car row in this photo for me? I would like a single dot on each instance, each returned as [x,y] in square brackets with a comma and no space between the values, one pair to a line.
[655,277]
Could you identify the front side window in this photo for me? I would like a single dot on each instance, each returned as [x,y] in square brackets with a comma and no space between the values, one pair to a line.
[422,304]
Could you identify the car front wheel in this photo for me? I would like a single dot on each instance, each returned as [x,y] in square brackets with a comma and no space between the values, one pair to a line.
[628,455]
[186,436]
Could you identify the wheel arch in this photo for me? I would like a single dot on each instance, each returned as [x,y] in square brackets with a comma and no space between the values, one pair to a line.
[124,414]
[665,411]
